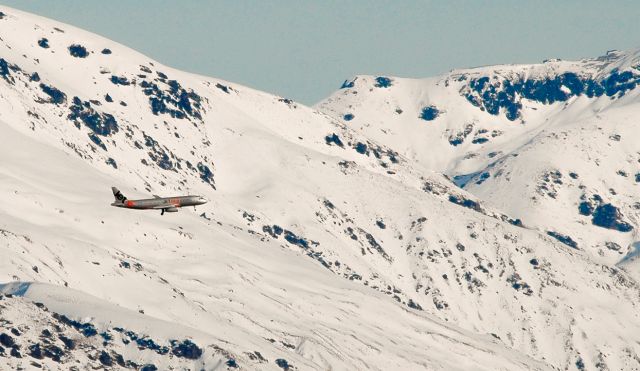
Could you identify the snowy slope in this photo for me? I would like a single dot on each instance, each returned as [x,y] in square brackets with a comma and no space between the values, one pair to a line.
[221,281]
[534,141]
[326,244]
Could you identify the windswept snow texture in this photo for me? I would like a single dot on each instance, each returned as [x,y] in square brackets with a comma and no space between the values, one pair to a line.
[329,242]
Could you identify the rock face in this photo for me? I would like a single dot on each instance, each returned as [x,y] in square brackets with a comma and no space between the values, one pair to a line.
[335,237]
[33,336]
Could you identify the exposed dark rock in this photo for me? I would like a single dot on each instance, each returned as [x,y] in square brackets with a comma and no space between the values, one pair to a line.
[465,202]
[205,174]
[459,137]
[112,162]
[224,88]
[78,51]
[68,343]
[334,138]
[56,96]
[94,138]
[608,216]
[413,305]
[158,154]
[53,352]
[117,80]
[103,124]
[348,84]
[493,95]
[479,140]
[106,336]
[5,72]
[176,101]
[35,351]
[283,364]
[274,231]
[517,284]
[119,360]
[613,246]
[7,340]
[143,342]
[293,239]
[87,329]
[231,363]
[287,101]
[585,208]
[375,245]
[185,349]
[44,43]
[483,177]
[105,358]
[564,239]
[516,222]
[383,82]
[429,113]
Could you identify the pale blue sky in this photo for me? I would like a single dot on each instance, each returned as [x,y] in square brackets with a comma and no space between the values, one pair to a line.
[304,49]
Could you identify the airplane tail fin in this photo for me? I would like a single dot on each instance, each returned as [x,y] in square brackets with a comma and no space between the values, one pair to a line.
[118,195]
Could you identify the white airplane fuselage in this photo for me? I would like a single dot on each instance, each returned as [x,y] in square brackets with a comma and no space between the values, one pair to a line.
[165,204]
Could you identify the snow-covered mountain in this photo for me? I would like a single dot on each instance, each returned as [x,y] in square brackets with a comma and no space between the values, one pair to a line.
[552,144]
[334,237]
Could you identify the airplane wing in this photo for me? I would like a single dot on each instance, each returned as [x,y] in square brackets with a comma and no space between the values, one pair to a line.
[163,206]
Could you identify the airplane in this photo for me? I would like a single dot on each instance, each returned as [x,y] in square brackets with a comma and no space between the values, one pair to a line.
[166,204]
